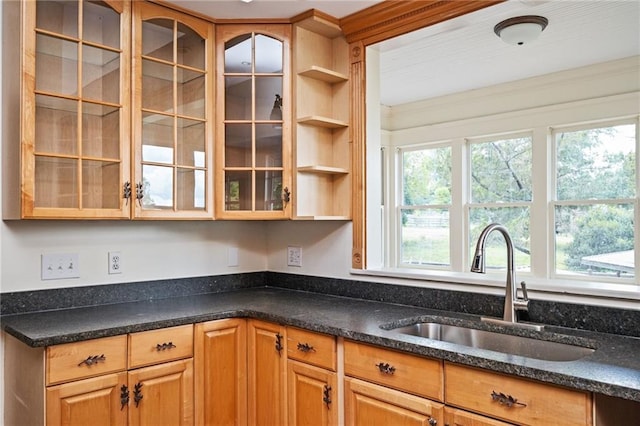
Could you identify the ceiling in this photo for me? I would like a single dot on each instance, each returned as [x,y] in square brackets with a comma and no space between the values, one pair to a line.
[237,9]
[464,53]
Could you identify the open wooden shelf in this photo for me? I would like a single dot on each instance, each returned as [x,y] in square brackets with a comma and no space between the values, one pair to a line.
[324,170]
[324,74]
[319,121]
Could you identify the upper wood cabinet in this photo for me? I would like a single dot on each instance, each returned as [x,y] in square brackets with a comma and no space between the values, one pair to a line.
[66,111]
[253,130]
[322,148]
[172,114]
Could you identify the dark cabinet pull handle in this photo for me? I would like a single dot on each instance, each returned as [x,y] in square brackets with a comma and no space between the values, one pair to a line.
[93,359]
[326,395]
[432,421]
[286,195]
[126,191]
[139,193]
[386,368]
[165,346]
[279,346]
[124,397]
[507,400]
[305,347]
[137,393]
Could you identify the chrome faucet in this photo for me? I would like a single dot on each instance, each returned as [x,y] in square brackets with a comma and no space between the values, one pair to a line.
[512,302]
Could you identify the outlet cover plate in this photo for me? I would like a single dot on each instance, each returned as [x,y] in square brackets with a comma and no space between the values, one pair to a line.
[115,262]
[294,256]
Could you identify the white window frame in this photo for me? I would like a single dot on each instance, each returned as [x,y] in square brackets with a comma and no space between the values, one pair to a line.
[538,122]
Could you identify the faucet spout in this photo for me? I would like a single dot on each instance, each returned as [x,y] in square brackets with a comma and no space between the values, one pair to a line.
[511,301]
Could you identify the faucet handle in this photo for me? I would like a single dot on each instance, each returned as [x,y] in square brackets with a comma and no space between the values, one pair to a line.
[521,304]
[524,291]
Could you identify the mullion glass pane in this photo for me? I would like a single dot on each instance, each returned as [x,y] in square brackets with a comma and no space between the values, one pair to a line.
[595,240]
[237,54]
[238,147]
[191,93]
[191,48]
[157,138]
[100,131]
[268,54]
[191,143]
[501,171]
[101,24]
[58,16]
[425,237]
[266,90]
[56,125]
[157,86]
[238,97]
[426,176]
[56,183]
[191,189]
[56,65]
[516,220]
[100,74]
[100,185]
[268,145]
[268,190]
[157,39]
[596,163]
[157,182]
[238,190]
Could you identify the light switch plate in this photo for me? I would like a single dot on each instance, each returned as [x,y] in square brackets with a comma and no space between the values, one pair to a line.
[58,266]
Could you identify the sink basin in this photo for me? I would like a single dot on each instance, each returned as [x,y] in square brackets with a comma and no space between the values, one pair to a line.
[499,342]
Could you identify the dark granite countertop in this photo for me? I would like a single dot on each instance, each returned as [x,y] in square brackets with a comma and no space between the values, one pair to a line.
[613,369]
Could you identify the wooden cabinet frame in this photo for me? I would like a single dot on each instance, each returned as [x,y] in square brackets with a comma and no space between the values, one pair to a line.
[372,25]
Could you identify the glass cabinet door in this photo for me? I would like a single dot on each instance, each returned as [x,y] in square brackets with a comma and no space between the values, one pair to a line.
[78,127]
[253,124]
[173,145]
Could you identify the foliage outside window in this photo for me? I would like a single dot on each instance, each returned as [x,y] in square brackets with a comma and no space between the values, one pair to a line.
[591,201]
[594,207]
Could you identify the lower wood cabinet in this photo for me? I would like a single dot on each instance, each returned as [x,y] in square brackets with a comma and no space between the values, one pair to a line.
[96,401]
[368,404]
[456,417]
[267,356]
[516,400]
[220,353]
[140,379]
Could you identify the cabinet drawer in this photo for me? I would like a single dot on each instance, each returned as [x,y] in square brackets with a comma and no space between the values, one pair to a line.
[72,361]
[406,372]
[156,346]
[312,348]
[537,403]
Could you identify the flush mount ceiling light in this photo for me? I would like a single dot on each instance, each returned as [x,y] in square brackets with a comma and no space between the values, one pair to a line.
[521,29]
[246,1]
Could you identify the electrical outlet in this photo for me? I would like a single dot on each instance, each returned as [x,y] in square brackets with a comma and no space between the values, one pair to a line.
[58,266]
[115,262]
[294,256]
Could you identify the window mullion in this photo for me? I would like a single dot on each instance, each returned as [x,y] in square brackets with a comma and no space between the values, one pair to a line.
[542,243]
[458,218]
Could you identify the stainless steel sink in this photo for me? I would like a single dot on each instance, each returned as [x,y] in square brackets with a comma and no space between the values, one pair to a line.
[499,342]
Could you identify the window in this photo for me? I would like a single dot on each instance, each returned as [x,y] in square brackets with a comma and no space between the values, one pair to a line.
[595,186]
[570,192]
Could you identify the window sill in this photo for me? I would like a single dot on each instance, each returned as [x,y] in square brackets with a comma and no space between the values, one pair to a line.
[624,296]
